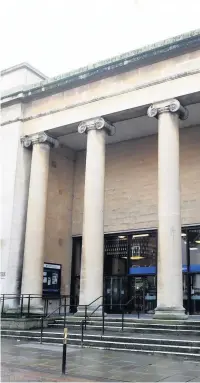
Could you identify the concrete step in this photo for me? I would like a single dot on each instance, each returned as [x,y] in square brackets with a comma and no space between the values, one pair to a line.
[152,324]
[150,344]
[132,322]
[131,325]
[131,318]
[130,329]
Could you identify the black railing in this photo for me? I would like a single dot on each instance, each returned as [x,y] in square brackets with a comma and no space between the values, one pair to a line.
[139,309]
[51,315]
[25,309]
[24,304]
[84,307]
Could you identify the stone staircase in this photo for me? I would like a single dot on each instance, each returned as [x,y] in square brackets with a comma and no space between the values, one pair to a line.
[139,335]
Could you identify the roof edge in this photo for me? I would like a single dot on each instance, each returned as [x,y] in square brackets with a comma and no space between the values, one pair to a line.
[130,54]
[21,66]
[124,62]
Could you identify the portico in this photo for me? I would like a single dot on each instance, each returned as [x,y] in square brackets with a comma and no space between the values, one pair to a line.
[170,288]
[99,163]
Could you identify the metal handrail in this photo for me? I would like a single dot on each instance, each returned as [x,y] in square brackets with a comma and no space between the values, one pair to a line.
[22,297]
[126,304]
[84,321]
[86,307]
[65,306]
[101,296]
[51,314]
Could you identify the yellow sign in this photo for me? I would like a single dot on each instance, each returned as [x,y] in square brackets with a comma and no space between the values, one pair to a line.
[65,333]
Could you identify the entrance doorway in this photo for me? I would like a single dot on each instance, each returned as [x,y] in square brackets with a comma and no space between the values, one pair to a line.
[130,263]
[115,293]
[139,291]
[143,291]
[191,270]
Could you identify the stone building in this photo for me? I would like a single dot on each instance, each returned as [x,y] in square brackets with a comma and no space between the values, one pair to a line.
[101,181]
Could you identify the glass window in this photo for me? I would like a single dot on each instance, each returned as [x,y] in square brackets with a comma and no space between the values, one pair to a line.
[116,255]
[194,246]
[184,236]
[77,256]
[143,253]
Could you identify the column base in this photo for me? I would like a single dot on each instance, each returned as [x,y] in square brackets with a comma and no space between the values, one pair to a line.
[173,313]
[38,310]
[12,310]
[34,310]
[90,311]
[11,306]
[32,305]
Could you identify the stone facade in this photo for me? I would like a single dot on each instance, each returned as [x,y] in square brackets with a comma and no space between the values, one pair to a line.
[131,183]
[139,79]
[47,189]
[58,238]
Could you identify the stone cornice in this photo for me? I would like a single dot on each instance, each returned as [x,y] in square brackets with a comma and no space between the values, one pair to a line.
[144,56]
[128,90]
[98,124]
[39,138]
[168,106]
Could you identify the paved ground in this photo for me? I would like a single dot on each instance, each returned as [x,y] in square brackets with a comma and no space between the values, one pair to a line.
[32,362]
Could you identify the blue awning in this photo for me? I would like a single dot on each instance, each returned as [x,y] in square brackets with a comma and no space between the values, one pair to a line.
[151,270]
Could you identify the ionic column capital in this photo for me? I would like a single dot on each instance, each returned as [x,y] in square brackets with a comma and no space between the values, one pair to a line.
[98,124]
[39,138]
[168,106]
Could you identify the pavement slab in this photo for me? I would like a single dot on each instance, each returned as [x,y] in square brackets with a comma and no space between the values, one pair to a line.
[34,362]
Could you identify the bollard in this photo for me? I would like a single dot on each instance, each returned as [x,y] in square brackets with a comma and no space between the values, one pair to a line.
[2,307]
[64,352]
[41,332]
[123,319]
[82,332]
[28,304]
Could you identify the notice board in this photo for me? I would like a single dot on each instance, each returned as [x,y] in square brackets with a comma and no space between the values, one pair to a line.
[51,279]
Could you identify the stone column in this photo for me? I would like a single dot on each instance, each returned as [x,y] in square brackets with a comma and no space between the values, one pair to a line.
[32,276]
[169,273]
[91,283]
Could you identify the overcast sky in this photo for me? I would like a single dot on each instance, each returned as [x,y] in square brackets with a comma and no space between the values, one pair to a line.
[56,36]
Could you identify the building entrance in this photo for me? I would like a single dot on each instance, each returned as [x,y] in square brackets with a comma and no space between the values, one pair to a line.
[191,269]
[130,271]
[131,294]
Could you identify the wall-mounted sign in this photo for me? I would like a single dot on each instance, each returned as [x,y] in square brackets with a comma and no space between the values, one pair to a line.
[2,274]
[51,279]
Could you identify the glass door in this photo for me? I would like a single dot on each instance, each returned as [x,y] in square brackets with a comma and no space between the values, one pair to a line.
[195,293]
[186,301]
[115,293]
[143,292]
[194,269]
[137,294]
[115,271]
[191,269]
[75,274]
[150,293]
